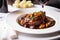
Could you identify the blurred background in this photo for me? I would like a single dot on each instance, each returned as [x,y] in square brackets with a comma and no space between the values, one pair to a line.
[54,3]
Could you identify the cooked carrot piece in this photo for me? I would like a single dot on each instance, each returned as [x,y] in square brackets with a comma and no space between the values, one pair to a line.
[47,25]
[42,26]
[37,14]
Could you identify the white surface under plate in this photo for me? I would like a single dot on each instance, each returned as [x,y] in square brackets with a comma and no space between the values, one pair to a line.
[11,20]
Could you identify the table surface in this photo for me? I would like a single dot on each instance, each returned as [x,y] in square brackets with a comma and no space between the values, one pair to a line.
[23,36]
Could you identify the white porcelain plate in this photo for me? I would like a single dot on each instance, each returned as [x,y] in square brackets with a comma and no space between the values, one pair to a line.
[12,17]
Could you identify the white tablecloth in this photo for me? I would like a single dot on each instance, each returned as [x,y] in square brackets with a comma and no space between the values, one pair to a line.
[7,32]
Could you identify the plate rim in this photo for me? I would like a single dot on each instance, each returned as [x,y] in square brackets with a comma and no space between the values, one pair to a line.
[30,32]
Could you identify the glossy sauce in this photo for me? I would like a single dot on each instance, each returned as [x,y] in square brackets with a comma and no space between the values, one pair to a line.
[39,22]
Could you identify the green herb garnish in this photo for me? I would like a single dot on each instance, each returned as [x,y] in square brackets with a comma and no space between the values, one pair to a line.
[33,16]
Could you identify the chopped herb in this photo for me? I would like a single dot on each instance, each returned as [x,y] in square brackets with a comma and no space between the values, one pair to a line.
[33,16]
